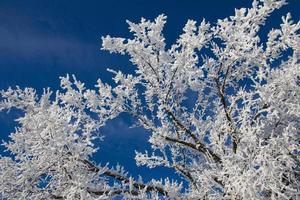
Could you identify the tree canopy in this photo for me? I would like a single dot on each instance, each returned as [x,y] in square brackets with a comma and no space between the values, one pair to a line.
[239,139]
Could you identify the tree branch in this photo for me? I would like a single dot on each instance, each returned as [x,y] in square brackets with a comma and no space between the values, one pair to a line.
[227,114]
[199,147]
[121,178]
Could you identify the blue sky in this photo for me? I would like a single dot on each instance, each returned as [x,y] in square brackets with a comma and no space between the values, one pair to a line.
[42,40]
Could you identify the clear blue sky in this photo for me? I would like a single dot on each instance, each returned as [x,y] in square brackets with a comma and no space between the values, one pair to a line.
[42,40]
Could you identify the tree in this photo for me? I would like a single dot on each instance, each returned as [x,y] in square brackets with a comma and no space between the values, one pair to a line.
[240,138]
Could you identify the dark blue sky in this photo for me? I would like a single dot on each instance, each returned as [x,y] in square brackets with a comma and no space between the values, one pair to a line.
[42,40]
